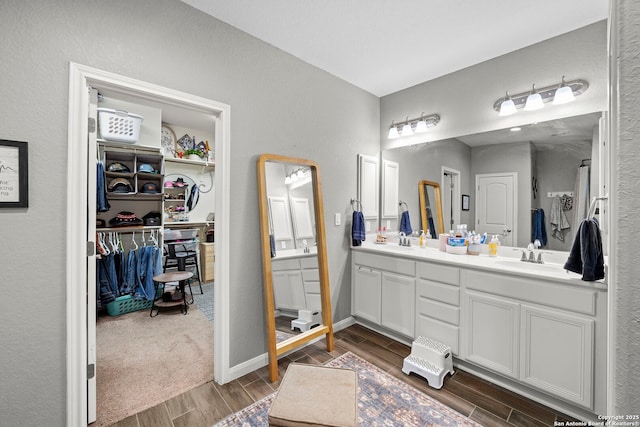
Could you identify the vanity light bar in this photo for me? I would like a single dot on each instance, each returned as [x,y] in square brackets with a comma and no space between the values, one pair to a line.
[411,126]
[578,87]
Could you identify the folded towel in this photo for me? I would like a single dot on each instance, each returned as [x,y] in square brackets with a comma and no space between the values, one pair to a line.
[586,255]
[358,232]
[558,219]
[538,230]
[405,223]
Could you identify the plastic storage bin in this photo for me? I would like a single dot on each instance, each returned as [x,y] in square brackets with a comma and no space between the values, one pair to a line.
[118,125]
[126,304]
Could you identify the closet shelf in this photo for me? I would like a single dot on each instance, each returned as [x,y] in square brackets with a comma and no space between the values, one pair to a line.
[132,229]
[204,163]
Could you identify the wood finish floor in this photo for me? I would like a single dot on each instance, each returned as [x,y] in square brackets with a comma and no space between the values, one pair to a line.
[473,397]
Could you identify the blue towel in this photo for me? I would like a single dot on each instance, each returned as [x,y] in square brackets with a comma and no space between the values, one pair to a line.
[586,256]
[538,230]
[405,223]
[272,243]
[358,233]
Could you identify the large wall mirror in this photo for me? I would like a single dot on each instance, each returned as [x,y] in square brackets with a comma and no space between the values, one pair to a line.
[430,208]
[544,160]
[294,255]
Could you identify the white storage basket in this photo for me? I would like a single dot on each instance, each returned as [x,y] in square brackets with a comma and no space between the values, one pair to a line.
[118,125]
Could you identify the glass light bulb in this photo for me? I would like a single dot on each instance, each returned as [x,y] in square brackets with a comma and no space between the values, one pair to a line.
[507,108]
[287,180]
[563,95]
[300,173]
[393,132]
[421,126]
[534,102]
[406,130]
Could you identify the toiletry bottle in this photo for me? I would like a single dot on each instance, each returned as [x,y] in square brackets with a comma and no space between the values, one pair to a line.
[422,238]
[384,234]
[493,245]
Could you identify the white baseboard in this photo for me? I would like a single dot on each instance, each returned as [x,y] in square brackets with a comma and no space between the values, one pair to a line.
[263,359]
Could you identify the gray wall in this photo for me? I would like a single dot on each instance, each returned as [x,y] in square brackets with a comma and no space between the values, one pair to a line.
[625,205]
[279,104]
[424,161]
[464,99]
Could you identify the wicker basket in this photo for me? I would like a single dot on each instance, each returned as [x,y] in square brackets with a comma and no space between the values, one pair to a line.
[117,125]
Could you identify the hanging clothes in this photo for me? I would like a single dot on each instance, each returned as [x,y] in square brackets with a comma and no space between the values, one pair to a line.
[102,203]
[558,219]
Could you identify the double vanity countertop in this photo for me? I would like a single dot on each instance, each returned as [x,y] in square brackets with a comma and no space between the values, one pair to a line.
[507,261]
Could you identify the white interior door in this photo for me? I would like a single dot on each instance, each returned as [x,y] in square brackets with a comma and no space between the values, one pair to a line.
[91,257]
[496,207]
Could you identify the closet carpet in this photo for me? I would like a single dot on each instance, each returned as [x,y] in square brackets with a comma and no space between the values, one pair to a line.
[143,361]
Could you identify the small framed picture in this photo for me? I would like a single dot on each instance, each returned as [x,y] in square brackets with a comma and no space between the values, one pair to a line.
[465,202]
[14,174]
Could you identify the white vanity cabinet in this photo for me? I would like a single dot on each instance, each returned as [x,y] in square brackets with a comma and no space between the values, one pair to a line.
[384,291]
[540,333]
[438,304]
[311,282]
[288,287]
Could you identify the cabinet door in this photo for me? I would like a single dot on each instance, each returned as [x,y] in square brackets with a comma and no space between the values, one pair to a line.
[490,332]
[557,354]
[366,295]
[398,303]
[288,290]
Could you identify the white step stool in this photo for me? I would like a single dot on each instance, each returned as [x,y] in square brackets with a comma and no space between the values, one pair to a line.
[306,320]
[429,359]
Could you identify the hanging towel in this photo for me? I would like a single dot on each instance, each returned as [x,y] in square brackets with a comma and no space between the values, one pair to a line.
[405,223]
[558,219]
[272,243]
[586,255]
[538,230]
[358,233]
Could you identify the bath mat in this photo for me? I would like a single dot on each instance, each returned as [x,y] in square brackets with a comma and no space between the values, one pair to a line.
[383,400]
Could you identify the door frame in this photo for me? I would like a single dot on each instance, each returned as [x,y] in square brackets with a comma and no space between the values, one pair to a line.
[77,247]
[515,225]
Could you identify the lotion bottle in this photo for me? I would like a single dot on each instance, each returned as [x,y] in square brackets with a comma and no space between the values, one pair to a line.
[493,245]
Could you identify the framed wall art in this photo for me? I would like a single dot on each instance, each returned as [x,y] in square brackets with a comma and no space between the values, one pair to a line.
[14,174]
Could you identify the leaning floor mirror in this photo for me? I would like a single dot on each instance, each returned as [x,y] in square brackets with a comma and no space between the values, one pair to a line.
[294,255]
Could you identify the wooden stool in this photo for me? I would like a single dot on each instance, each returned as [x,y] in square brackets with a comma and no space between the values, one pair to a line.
[173,276]
[311,395]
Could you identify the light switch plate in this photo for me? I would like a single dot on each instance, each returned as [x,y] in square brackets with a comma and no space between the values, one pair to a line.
[388,224]
[337,219]
[368,226]
[283,244]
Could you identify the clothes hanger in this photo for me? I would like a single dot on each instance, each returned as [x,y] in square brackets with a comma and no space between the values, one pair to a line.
[133,241]
[104,244]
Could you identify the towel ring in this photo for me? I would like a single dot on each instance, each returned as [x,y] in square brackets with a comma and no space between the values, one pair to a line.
[357,203]
[406,207]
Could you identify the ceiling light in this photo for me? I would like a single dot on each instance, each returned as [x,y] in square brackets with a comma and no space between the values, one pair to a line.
[516,129]
[393,131]
[507,107]
[536,98]
[417,125]
[564,94]
[300,173]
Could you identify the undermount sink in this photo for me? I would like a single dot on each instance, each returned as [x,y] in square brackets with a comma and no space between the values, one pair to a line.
[531,266]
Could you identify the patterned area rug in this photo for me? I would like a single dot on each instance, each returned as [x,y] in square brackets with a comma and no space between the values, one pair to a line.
[204,302]
[383,400]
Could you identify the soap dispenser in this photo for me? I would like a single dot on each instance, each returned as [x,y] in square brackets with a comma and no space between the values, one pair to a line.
[493,245]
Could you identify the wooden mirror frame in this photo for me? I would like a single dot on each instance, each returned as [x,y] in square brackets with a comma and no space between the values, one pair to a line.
[276,349]
[438,205]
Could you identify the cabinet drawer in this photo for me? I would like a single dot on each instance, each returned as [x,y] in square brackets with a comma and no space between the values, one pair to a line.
[438,310]
[309,262]
[286,264]
[439,273]
[313,275]
[312,287]
[439,292]
[313,302]
[439,331]
[388,263]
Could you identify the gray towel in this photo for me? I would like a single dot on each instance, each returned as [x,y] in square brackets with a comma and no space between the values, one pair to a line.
[558,219]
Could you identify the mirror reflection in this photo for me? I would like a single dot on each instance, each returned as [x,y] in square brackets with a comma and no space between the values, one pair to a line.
[534,164]
[295,274]
[430,208]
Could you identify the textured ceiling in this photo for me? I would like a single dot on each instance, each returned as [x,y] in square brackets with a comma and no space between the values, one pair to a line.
[383,46]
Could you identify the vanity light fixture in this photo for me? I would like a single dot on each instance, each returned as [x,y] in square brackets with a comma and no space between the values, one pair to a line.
[300,174]
[410,126]
[561,93]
